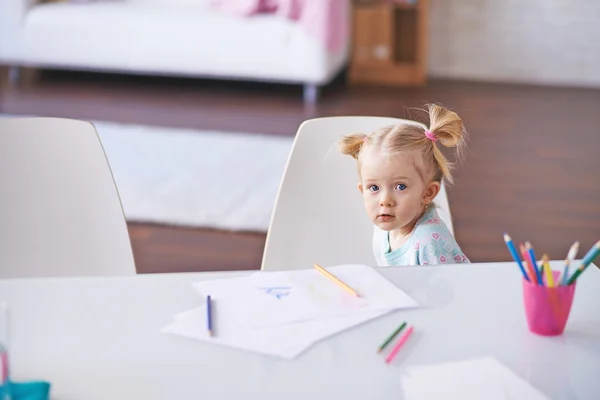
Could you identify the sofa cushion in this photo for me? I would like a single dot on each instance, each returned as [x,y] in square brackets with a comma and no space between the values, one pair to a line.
[191,3]
[155,38]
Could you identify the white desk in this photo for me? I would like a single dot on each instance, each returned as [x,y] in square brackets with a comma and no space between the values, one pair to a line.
[98,338]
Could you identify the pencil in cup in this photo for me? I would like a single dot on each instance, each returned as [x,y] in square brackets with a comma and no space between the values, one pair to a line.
[529,267]
[399,345]
[563,280]
[532,258]
[548,271]
[587,260]
[329,275]
[515,254]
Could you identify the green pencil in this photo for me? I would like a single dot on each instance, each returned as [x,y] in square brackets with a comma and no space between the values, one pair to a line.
[392,336]
[587,260]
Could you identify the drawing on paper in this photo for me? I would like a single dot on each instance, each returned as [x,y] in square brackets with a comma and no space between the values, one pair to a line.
[277,291]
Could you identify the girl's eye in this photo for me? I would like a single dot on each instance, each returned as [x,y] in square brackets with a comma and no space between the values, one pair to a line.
[373,188]
[400,186]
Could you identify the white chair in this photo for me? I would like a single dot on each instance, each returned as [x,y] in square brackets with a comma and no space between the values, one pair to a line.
[60,212]
[319,216]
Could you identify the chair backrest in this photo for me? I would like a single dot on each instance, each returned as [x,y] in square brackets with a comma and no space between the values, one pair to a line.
[60,212]
[319,215]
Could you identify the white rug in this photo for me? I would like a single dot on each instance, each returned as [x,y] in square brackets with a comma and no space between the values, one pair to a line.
[195,178]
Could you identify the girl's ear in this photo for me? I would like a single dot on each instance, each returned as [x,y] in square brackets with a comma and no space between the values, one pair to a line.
[432,190]
[360,187]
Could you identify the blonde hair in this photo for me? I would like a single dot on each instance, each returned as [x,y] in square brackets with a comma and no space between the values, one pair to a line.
[444,126]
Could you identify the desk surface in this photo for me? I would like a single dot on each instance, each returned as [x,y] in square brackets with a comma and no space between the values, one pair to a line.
[98,338]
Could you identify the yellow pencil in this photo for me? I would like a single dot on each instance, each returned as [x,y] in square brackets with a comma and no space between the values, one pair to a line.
[547,270]
[336,280]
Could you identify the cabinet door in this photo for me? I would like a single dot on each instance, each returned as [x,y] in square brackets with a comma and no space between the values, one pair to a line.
[373,29]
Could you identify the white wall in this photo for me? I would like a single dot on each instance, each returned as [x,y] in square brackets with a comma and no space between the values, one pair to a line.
[534,41]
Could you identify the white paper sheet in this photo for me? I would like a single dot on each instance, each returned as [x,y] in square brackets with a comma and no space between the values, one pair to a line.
[476,379]
[274,298]
[282,313]
[286,341]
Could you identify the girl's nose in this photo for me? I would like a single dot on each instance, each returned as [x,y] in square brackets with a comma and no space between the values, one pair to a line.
[386,200]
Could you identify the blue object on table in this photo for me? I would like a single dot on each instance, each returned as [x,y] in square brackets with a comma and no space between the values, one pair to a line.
[35,390]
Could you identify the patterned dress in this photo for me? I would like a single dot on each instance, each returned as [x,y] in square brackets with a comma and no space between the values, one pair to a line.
[430,243]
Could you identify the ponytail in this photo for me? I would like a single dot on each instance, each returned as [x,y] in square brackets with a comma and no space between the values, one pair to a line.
[352,144]
[447,127]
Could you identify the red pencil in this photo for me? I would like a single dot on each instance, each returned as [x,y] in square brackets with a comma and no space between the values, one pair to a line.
[530,272]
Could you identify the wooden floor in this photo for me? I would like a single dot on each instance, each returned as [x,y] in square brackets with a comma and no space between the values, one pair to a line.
[532,170]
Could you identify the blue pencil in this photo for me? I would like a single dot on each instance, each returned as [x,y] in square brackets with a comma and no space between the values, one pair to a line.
[209,316]
[538,274]
[515,255]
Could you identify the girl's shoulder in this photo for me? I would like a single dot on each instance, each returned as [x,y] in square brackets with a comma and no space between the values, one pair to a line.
[432,231]
[434,241]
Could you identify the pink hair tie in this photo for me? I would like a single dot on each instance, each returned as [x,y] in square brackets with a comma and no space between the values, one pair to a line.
[430,136]
[365,138]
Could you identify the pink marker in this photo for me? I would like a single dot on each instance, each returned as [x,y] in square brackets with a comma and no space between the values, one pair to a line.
[399,345]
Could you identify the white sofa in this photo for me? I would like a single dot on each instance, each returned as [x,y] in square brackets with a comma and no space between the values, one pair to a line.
[164,37]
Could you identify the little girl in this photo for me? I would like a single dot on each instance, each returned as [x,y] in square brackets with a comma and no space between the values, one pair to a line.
[401,169]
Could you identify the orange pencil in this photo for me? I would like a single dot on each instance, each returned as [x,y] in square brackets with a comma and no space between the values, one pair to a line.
[336,280]
[530,271]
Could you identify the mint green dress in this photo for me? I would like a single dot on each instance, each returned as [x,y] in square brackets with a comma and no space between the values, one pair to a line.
[431,243]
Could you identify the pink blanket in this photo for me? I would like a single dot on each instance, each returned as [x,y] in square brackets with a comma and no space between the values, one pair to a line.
[327,20]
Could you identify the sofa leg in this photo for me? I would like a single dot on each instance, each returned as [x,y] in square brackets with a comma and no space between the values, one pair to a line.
[14,76]
[3,78]
[311,93]
[22,76]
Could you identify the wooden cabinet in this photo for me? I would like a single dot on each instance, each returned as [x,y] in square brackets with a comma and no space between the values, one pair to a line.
[389,42]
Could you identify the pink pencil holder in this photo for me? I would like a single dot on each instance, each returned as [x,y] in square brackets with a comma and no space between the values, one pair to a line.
[547,308]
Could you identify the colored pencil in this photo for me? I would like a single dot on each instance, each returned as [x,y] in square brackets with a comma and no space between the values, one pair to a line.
[336,280]
[529,267]
[515,254]
[547,271]
[532,258]
[209,324]
[399,345]
[392,336]
[570,257]
[587,260]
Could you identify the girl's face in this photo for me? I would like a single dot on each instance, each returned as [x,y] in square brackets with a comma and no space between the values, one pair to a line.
[394,188]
